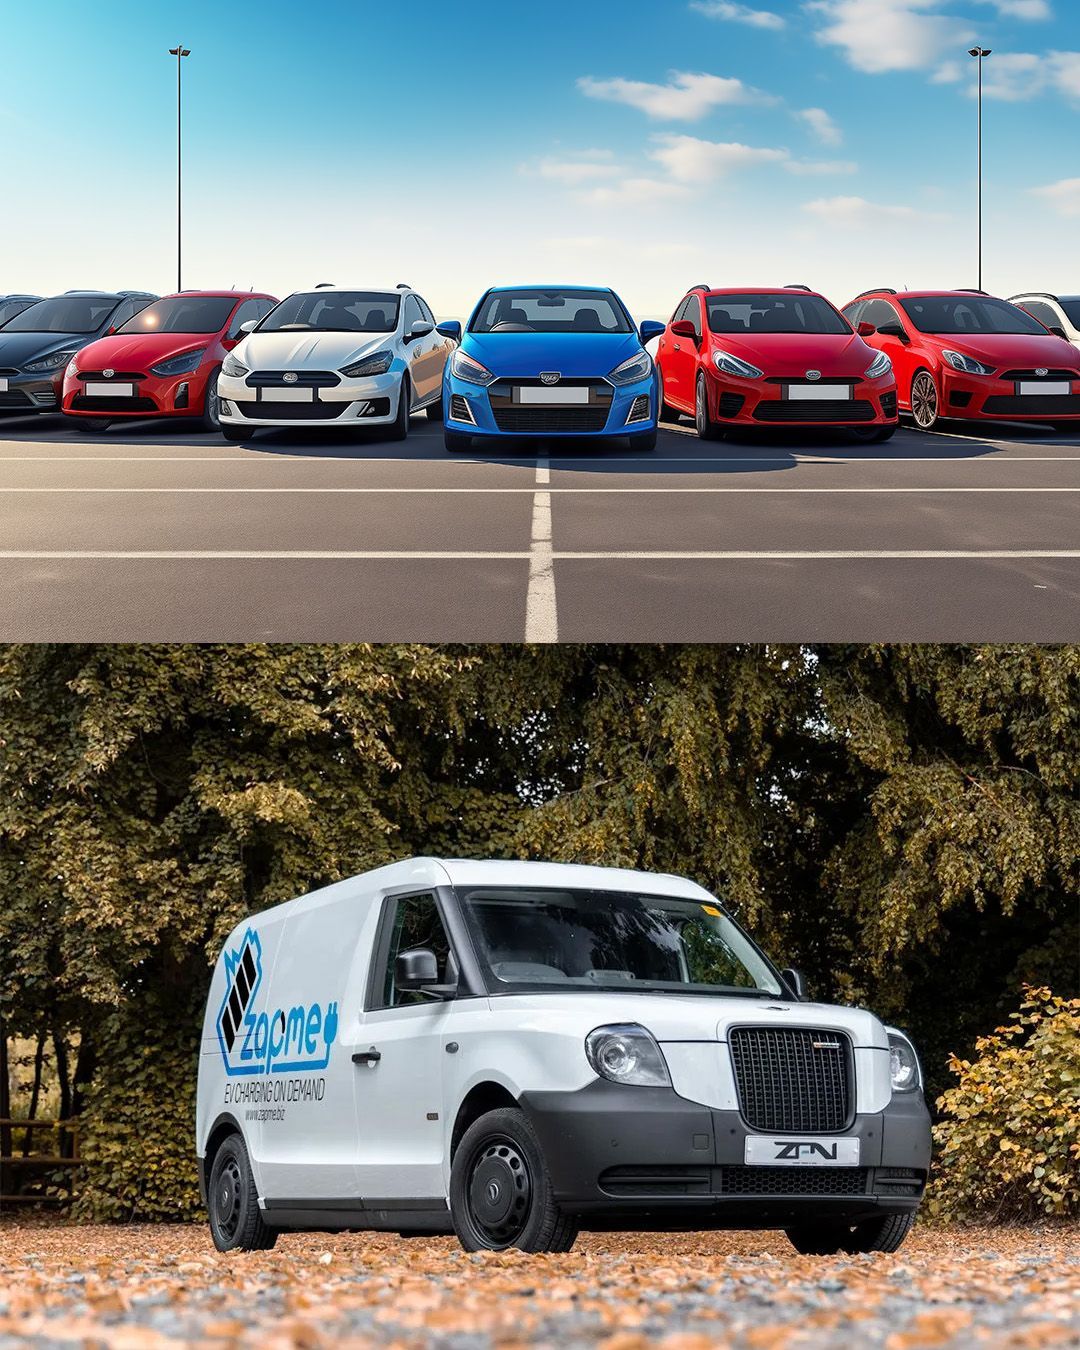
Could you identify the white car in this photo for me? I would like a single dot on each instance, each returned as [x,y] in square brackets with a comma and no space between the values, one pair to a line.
[514,1051]
[1059,313]
[333,357]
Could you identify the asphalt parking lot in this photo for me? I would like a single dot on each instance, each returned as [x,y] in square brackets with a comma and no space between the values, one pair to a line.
[160,532]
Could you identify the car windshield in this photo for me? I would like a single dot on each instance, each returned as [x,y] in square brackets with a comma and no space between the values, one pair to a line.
[335,312]
[967,314]
[773,314]
[9,308]
[539,311]
[64,314]
[585,939]
[182,314]
[1072,310]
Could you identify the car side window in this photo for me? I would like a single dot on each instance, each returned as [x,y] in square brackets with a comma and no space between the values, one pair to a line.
[693,312]
[680,312]
[425,312]
[1043,313]
[250,309]
[412,313]
[879,312]
[415,922]
[126,309]
[854,313]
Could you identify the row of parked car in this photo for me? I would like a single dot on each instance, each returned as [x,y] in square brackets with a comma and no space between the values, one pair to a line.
[542,361]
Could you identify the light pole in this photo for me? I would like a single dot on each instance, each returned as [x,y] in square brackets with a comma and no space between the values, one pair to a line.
[179,51]
[980,54]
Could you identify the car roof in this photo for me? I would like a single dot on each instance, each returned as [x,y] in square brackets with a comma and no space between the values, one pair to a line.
[546,286]
[758,290]
[236,295]
[924,294]
[325,289]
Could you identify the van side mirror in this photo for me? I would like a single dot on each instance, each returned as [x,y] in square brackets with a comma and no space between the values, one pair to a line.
[866,329]
[449,328]
[419,970]
[796,982]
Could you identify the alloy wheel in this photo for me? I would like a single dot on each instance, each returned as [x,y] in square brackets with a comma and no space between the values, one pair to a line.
[924,404]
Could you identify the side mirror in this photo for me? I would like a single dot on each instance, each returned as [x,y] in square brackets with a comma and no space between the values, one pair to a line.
[684,328]
[112,330]
[649,329]
[248,326]
[796,983]
[419,970]
[894,330]
[419,329]
[866,329]
[451,329]
[1058,332]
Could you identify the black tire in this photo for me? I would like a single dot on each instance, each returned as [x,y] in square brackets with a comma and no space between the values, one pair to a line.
[457,440]
[706,428]
[233,433]
[874,1235]
[211,413]
[924,401]
[643,440]
[872,435]
[500,1189]
[92,426]
[236,1222]
[435,410]
[399,428]
[1067,428]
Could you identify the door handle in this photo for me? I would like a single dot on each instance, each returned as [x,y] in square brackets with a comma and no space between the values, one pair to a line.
[371,1056]
[677,347]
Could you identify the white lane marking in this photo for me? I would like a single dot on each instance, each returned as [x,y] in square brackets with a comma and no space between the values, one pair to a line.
[555,491]
[422,555]
[541,613]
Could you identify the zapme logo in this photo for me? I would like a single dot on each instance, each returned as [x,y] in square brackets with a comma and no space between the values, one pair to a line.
[278,1040]
[795,1149]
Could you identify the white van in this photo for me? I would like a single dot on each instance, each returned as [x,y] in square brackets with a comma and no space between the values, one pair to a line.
[514,1051]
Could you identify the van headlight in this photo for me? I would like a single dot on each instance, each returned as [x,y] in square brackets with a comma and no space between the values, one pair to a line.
[904,1069]
[627,1053]
[632,371]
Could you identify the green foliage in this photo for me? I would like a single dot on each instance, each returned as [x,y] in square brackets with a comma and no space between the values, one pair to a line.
[1009,1140]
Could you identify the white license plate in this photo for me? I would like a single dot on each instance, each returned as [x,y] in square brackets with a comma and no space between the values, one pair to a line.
[272,395]
[809,391]
[3,384]
[95,389]
[542,394]
[1044,387]
[793,1151]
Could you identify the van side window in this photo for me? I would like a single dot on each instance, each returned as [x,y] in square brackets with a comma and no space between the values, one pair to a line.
[415,923]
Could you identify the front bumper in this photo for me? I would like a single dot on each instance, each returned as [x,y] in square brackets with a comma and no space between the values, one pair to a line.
[371,402]
[771,402]
[978,396]
[627,1156]
[31,393]
[154,396]
[612,410]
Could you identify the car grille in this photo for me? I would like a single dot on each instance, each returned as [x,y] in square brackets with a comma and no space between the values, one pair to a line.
[122,403]
[16,398]
[660,1180]
[731,404]
[814,410]
[786,1083]
[460,410]
[582,418]
[289,412]
[305,379]
[116,375]
[1039,375]
[1033,405]
[672,1183]
[639,409]
[793,1180]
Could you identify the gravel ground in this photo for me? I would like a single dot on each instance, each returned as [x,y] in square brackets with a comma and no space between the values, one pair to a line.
[142,1286]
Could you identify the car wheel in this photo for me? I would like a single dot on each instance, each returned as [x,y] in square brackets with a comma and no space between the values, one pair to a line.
[924,400]
[871,435]
[400,428]
[211,416]
[874,1235]
[642,440]
[236,1222]
[92,426]
[500,1189]
[435,410]
[456,440]
[706,427]
[233,433]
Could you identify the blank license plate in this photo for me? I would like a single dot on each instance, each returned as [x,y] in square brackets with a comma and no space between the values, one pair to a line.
[288,396]
[818,391]
[3,384]
[1044,387]
[95,389]
[539,394]
[778,1151]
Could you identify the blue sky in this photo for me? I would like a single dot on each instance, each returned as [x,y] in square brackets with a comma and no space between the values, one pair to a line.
[644,145]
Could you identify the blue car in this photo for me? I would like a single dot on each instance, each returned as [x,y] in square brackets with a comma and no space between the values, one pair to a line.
[549,362]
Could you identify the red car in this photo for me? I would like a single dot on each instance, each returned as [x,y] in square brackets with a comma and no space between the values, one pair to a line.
[780,357]
[162,363]
[967,354]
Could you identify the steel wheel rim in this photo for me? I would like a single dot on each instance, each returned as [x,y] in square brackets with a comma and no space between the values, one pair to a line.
[924,400]
[499,1192]
[227,1194]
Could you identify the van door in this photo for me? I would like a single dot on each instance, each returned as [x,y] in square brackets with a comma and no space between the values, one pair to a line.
[398,1069]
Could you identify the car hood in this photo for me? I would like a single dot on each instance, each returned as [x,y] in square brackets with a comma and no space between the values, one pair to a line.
[1023,350]
[16,349]
[571,354]
[307,351]
[136,351]
[795,353]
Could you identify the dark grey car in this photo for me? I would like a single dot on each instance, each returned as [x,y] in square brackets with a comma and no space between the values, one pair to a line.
[10,305]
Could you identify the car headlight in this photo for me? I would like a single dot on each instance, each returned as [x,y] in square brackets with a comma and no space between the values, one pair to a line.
[904,1069]
[627,1053]
[73,368]
[733,365]
[183,364]
[378,364]
[465,368]
[637,368]
[880,365]
[53,361]
[234,369]
[967,364]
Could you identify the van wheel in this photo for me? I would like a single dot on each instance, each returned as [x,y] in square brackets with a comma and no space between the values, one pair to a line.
[236,1223]
[875,1235]
[500,1189]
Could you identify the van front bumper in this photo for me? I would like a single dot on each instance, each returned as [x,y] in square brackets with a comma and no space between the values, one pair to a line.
[621,1155]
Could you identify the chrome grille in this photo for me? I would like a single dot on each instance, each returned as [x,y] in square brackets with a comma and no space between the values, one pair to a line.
[792,1078]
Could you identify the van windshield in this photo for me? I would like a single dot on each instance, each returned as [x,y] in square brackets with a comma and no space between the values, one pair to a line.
[611,940]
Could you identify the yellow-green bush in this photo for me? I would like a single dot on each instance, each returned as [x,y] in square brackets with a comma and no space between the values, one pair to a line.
[1008,1146]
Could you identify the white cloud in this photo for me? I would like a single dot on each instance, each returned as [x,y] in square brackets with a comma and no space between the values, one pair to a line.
[856,213]
[686,97]
[1062,196]
[822,125]
[883,35]
[1015,76]
[633,192]
[690,160]
[726,9]
[583,166]
[949,72]
[1020,9]
[820,166]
